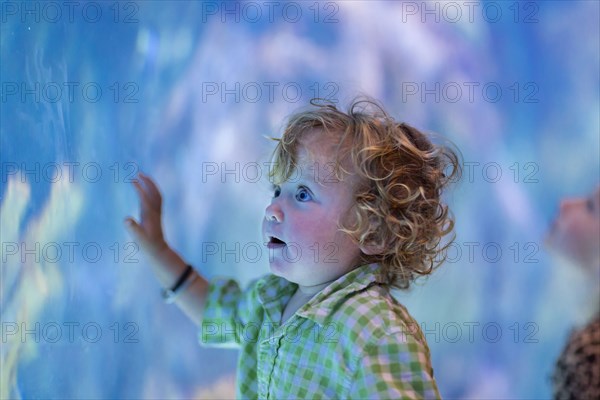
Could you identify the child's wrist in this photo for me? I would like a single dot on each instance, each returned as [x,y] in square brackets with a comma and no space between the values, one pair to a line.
[167,263]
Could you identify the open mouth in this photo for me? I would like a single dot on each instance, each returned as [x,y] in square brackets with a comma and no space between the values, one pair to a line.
[275,242]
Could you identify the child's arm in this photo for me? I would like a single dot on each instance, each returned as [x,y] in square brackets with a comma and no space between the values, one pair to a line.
[167,265]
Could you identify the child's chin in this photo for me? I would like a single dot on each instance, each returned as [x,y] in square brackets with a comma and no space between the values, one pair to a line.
[279,268]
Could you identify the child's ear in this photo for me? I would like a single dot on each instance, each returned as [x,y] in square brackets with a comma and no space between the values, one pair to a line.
[372,245]
[371,249]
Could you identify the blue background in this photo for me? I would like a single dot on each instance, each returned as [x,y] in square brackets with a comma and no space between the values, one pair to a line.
[184,96]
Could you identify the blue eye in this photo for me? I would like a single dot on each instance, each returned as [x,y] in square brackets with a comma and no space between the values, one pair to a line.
[303,194]
[276,191]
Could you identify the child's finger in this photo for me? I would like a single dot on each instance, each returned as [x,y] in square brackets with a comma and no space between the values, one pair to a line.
[147,191]
[151,188]
[139,188]
[145,201]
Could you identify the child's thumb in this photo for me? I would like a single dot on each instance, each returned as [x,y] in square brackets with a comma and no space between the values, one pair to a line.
[134,228]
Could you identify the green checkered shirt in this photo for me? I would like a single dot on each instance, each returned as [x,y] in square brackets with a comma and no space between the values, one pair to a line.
[352,340]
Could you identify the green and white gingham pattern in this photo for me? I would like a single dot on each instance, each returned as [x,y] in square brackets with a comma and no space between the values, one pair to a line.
[353,340]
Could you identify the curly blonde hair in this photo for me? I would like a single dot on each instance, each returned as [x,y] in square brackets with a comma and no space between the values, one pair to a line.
[398,207]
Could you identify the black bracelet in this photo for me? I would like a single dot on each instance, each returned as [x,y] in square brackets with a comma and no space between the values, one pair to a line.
[169,295]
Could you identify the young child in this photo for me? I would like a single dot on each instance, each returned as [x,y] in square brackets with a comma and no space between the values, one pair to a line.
[575,236]
[356,211]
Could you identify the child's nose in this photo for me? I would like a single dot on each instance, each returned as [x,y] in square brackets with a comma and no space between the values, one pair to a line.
[274,213]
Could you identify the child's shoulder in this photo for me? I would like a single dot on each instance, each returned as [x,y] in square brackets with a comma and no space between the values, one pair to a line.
[373,314]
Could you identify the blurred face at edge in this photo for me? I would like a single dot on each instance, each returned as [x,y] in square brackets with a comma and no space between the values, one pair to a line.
[575,233]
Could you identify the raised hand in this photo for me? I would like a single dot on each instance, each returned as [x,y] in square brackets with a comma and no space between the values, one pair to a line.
[167,265]
[148,231]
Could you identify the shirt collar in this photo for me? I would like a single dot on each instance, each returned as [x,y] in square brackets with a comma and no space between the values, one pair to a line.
[274,292]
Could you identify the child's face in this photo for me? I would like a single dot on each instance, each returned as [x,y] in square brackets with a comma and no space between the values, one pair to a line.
[575,233]
[305,213]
